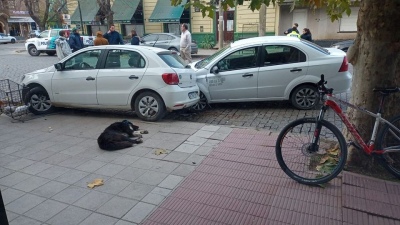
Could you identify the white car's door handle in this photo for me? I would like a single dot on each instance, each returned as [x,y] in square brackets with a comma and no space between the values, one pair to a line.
[295,70]
[133,77]
[90,78]
[247,75]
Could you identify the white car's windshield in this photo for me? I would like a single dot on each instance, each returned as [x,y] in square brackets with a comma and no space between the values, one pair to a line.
[205,61]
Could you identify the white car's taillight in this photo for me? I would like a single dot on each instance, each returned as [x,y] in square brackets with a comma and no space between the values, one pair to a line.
[171,78]
[345,65]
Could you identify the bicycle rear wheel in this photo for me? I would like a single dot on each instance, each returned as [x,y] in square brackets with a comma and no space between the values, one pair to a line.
[300,163]
[389,139]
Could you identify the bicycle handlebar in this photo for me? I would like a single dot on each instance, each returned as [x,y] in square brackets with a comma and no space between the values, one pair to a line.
[321,86]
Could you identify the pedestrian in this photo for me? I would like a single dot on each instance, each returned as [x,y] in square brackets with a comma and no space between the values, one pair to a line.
[75,41]
[113,37]
[62,46]
[294,28]
[306,35]
[185,44]
[293,34]
[135,38]
[99,39]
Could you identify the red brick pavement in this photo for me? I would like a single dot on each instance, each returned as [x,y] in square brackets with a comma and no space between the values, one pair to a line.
[240,182]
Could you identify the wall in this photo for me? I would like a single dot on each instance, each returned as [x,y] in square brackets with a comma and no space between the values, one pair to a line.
[247,21]
[148,7]
[197,20]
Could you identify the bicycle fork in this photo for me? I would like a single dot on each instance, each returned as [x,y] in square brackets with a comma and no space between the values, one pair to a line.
[318,125]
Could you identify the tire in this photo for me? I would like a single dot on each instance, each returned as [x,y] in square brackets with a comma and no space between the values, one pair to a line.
[201,105]
[312,172]
[386,139]
[32,50]
[39,101]
[50,53]
[305,97]
[12,41]
[149,106]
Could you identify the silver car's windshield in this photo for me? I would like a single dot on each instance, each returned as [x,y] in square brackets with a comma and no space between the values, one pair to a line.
[205,61]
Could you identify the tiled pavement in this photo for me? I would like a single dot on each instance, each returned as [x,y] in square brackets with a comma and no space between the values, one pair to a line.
[46,163]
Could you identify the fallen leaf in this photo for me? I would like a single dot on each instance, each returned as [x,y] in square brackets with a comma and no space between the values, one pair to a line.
[324,159]
[160,151]
[96,182]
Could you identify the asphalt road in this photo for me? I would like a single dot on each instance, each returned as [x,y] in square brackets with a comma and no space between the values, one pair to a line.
[14,62]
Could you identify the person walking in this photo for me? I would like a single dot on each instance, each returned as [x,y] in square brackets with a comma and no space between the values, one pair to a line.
[294,28]
[306,35]
[293,34]
[185,44]
[75,41]
[100,40]
[135,38]
[113,37]
[62,46]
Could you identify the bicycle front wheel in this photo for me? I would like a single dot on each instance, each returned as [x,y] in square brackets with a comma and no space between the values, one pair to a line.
[389,139]
[305,164]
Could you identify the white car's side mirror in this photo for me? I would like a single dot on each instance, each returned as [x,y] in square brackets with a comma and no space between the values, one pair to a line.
[215,70]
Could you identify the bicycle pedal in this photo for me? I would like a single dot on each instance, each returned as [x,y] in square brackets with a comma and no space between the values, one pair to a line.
[351,143]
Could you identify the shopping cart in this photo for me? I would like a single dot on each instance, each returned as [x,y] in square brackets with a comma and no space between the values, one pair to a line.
[11,100]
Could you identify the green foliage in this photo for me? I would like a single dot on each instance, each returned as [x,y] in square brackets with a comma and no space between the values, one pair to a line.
[207,42]
[334,8]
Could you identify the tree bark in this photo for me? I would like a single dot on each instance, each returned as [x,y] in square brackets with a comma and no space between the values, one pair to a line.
[376,60]
[262,18]
[105,10]
[29,4]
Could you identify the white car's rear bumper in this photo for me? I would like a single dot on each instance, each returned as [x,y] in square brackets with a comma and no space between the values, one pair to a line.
[340,83]
[176,97]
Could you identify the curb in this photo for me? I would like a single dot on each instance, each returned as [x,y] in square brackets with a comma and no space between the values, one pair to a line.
[19,51]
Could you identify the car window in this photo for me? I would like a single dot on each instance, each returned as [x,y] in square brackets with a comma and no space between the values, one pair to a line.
[173,60]
[150,38]
[124,59]
[282,54]
[163,37]
[44,34]
[84,61]
[54,33]
[202,63]
[244,58]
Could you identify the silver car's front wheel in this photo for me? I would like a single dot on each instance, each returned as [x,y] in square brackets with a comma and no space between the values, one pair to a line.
[149,106]
[305,97]
[202,104]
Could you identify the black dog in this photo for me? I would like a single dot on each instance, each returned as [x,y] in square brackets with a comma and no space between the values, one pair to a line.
[118,136]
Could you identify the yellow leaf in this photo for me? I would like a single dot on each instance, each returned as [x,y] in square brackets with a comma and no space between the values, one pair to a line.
[318,168]
[324,159]
[160,151]
[96,182]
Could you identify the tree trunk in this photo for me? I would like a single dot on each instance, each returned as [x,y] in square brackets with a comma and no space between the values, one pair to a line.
[376,59]
[262,18]
[29,4]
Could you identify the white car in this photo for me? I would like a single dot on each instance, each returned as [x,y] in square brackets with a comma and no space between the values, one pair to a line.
[4,38]
[148,80]
[269,69]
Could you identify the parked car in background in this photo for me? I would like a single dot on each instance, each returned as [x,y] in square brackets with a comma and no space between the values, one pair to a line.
[4,38]
[343,45]
[150,81]
[45,42]
[167,41]
[270,69]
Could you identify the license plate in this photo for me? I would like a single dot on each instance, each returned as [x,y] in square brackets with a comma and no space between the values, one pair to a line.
[193,95]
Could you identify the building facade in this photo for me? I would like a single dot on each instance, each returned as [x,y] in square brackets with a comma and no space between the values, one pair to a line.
[15,19]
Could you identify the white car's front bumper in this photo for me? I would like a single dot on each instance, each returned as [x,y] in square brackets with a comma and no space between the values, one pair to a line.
[176,97]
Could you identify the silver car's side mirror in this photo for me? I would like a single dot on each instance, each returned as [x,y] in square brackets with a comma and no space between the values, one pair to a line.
[58,66]
[215,70]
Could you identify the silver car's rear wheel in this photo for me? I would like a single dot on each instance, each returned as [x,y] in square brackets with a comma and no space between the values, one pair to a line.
[149,106]
[305,97]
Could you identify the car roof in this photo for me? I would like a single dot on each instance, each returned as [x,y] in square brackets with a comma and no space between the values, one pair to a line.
[265,39]
[130,47]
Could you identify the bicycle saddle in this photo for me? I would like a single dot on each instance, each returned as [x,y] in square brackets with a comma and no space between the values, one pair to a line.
[387,90]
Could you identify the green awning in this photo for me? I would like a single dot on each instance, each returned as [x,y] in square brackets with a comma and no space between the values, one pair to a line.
[124,10]
[89,9]
[165,12]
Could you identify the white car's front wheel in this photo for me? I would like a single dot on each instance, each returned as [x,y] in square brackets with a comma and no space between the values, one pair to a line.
[32,50]
[149,106]
[39,101]
[201,105]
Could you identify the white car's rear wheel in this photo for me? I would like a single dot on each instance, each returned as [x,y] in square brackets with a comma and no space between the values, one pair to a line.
[305,97]
[32,50]
[13,41]
[149,106]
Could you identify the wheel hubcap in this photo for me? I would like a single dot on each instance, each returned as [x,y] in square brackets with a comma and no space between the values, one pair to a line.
[148,106]
[306,97]
[40,102]
[201,104]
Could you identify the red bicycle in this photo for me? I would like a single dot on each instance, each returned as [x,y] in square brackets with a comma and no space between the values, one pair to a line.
[314,151]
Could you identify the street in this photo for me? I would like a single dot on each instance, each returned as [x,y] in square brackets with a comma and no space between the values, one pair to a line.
[262,115]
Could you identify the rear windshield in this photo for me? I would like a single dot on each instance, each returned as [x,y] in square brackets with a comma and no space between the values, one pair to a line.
[173,60]
[315,46]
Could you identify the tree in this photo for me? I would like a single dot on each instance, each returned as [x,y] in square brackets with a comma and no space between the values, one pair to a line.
[4,14]
[38,11]
[374,55]
[105,11]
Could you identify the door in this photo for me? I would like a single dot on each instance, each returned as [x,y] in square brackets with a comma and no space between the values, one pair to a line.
[43,40]
[280,65]
[163,41]
[227,25]
[300,17]
[122,72]
[149,40]
[76,84]
[2,39]
[236,78]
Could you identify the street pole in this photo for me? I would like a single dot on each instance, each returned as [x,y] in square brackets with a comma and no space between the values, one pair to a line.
[3,214]
[80,16]
[220,26]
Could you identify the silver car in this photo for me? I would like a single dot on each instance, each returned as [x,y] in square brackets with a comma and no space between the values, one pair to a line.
[4,38]
[270,69]
[165,40]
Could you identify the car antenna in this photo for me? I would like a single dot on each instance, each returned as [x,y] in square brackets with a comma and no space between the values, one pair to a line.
[156,40]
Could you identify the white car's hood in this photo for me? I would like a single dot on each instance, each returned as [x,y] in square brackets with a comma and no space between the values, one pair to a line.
[31,39]
[40,71]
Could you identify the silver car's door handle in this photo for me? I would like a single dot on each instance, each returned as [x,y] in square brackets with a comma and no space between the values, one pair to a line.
[247,75]
[133,77]
[295,70]
[90,78]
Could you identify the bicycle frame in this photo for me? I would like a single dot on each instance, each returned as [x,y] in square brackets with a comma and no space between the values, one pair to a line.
[370,147]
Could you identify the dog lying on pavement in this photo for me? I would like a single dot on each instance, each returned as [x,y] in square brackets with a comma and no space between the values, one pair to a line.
[120,135]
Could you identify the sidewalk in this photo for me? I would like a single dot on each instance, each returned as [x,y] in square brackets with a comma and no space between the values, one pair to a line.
[211,175]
